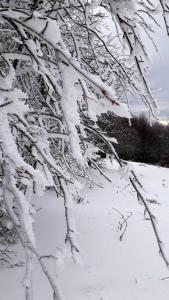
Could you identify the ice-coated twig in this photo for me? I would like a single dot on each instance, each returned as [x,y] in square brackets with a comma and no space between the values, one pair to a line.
[152,219]
[138,188]
[27,281]
[52,280]
[124,222]
[99,169]
[26,240]
[71,235]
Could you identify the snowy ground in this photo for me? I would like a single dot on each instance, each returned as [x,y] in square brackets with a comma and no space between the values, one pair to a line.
[130,269]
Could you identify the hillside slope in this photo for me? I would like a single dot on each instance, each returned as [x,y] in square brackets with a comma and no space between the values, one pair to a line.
[130,268]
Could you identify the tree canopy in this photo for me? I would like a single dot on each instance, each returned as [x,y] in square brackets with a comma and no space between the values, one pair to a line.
[61,66]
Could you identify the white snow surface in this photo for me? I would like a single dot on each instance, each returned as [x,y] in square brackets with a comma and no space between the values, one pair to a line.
[130,269]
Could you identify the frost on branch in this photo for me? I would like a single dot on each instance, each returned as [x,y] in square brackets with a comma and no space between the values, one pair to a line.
[59,70]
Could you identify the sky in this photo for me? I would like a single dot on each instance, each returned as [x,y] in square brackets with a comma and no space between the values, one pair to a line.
[158,76]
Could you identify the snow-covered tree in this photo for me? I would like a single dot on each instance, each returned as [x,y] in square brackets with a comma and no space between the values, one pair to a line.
[62,64]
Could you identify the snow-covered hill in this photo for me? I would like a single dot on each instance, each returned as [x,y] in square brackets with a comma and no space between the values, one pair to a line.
[115,266]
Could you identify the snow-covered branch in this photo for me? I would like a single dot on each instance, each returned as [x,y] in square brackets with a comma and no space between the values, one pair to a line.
[60,67]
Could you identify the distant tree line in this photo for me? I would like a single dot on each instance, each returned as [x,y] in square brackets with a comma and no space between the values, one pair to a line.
[138,140]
